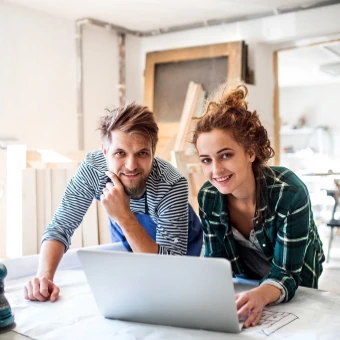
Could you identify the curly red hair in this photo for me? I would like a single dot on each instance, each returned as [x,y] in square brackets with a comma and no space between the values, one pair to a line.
[229,111]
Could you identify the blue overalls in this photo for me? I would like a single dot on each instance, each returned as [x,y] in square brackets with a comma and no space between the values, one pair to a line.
[195,233]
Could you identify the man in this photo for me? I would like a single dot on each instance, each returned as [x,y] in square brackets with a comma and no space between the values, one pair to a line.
[145,198]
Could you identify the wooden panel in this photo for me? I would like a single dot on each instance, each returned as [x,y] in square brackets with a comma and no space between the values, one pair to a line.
[40,203]
[196,179]
[16,162]
[189,167]
[58,186]
[103,225]
[48,213]
[77,238]
[191,105]
[35,197]
[3,166]
[29,213]
[166,141]
[90,226]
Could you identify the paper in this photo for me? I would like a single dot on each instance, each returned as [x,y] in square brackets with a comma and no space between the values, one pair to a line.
[272,321]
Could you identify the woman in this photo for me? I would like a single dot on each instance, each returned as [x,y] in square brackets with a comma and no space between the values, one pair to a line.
[258,217]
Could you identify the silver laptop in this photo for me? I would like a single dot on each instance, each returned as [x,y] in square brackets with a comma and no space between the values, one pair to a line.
[182,291]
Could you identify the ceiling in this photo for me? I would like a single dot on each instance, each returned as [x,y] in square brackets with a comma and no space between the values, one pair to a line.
[296,67]
[310,65]
[148,15]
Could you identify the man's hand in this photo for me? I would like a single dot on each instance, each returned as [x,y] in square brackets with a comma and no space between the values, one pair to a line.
[117,204]
[114,199]
[41,289]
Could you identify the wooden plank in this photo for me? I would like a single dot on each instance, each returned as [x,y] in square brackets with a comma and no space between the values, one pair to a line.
[192,103]
[16,162]
[190,149]
[3,185]
[48,213]
[189,167]
[196,180]
[40,203]
[77,238]
[29,213]
[103,225]
[186,116]
[58,186]
[90,226]
[167,135]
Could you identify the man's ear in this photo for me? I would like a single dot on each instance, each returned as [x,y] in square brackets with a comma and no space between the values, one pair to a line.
[104,149]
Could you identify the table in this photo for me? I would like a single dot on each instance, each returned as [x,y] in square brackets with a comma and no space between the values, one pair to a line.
[312,314]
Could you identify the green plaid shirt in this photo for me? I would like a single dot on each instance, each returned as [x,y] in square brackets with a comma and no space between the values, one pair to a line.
[286,231]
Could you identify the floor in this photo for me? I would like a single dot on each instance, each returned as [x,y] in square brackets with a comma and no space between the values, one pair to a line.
[330,278]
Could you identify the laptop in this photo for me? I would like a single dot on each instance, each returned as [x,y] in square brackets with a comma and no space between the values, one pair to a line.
[181,291]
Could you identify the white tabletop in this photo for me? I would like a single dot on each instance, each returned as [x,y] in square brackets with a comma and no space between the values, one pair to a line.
[311,314]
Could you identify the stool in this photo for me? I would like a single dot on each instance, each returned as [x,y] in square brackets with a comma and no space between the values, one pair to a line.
[333,224]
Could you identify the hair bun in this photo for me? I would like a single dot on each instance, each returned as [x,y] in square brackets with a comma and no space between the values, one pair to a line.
[236,98]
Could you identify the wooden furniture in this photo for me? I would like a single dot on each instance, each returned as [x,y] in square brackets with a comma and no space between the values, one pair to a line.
[33,189]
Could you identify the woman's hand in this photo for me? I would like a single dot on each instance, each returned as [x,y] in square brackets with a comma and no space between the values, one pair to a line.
[250,304]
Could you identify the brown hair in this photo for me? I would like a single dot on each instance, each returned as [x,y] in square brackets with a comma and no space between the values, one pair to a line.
[131,119]
[229,111]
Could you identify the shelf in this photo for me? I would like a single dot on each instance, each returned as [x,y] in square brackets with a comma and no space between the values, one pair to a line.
[302,131]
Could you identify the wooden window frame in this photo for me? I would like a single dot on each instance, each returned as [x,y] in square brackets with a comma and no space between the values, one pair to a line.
[234,51]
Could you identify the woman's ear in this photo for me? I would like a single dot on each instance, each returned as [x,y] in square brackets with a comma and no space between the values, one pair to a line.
[252,155]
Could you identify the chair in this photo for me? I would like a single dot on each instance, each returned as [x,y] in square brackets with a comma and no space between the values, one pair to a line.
[333,223]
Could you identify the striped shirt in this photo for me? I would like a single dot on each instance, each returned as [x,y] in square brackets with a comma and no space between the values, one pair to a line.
[167,202]
[286,231]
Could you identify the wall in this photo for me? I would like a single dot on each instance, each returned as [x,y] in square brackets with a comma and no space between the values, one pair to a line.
[37,79]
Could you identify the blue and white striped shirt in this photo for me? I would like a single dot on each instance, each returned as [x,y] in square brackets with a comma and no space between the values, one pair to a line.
[167,202]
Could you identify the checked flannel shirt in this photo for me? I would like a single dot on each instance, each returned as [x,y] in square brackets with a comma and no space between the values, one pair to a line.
[286,232]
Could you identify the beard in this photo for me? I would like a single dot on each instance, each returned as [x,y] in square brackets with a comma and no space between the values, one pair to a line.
[135,190]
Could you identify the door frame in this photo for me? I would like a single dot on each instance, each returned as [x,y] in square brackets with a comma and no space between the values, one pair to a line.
[276,102]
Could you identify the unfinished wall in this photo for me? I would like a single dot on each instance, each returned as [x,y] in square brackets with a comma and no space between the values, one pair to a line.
[38,68]
[262,36]
[100,64]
